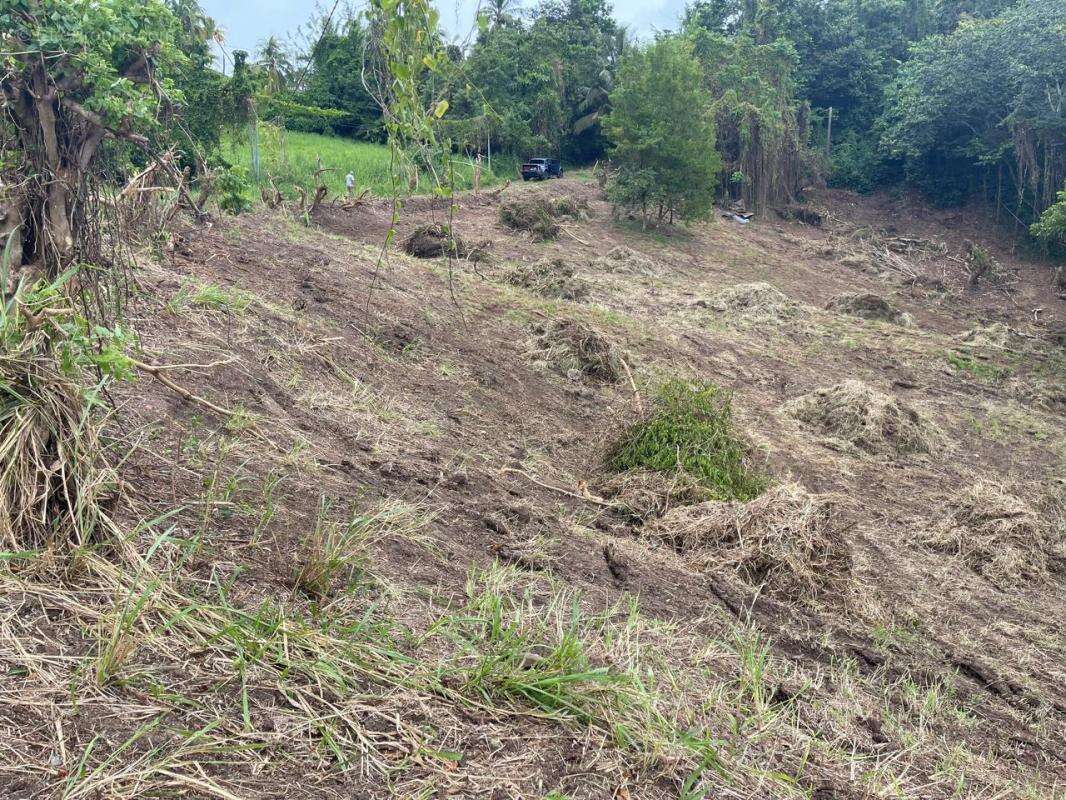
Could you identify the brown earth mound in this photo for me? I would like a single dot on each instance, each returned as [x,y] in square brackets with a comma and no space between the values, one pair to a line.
[576,349]
[433,241]
[996,534]
[756,302]
[549,278]
[868,306]
[855,414]
[786,540]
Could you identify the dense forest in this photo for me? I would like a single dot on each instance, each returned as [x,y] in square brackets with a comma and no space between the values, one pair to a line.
[862,95]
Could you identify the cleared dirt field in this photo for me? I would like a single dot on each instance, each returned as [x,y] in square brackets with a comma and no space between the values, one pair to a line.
[392,561]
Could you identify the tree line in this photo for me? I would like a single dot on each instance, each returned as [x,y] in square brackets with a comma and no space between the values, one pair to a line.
[746,100]
[962,99]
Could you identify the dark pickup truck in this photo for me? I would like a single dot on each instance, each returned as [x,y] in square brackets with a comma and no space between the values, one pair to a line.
[538,169]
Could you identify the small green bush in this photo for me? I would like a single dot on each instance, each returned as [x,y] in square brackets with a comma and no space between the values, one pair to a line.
[691,431]
[234,190]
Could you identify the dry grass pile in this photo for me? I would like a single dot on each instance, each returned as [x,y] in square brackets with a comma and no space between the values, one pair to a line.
[538,213]
[52,481]
[858,416]
[786,540]
[996,336]
[552,278]
[868,306]
[996,534]
[433,241]
[576,349]
[808,215]
[756,302]
[646,495]
[625,260]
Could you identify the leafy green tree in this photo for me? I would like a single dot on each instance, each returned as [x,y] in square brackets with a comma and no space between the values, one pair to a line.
[335,81]
[202,88]
[83,73]
[663,134]
[761,126]
[1051,227]
[1001,128]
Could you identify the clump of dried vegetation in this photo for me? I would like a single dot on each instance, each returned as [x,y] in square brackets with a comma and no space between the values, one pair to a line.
[755,302]
[433,241]
[995,533]
[53,480]
[869,306]
[574,347]
[646,495]
[786,540]
[625,260]
[862,418]
[552,278]
[538,213]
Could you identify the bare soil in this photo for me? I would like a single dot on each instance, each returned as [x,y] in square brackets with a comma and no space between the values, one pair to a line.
[407,384]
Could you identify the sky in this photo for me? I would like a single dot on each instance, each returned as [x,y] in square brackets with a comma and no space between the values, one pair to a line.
[247,23]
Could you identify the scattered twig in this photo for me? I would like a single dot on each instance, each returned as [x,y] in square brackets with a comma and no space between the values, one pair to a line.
[158,372]
[588,498]
[633,383]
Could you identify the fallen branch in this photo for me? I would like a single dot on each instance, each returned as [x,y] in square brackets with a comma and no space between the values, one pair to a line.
[158,372]
[588,498]
[574,236]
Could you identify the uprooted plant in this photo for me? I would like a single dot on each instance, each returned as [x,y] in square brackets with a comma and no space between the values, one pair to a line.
[691,432]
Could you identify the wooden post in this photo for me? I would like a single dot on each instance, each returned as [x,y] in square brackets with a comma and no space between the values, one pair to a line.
[829,133]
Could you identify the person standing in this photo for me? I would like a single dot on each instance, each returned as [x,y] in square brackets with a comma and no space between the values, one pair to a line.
[349,182]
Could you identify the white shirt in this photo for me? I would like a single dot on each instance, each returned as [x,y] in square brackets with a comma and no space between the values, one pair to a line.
[349,181]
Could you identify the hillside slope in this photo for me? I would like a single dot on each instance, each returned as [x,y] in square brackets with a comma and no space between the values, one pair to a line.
[398,566]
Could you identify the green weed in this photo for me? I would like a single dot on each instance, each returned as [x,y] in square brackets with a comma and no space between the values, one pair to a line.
[979,369]
[210,296]
[691,431]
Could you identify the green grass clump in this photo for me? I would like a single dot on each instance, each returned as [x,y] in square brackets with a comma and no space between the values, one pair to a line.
[691,432]
[292,157]
[979,369]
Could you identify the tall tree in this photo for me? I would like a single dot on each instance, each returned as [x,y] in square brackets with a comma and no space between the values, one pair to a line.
[663,134]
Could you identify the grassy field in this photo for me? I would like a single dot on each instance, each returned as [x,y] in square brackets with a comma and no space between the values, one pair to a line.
[292,158]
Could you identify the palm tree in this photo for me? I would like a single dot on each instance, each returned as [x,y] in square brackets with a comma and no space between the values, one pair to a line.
[595,99]
[276,65]
[499,11]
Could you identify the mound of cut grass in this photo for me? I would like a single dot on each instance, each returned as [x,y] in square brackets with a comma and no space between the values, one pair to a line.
[996,534]
[552,278]
[786,540]
[573,347]
[538,213]
[869,306]
[755,302]
[860,417]
[691,431]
